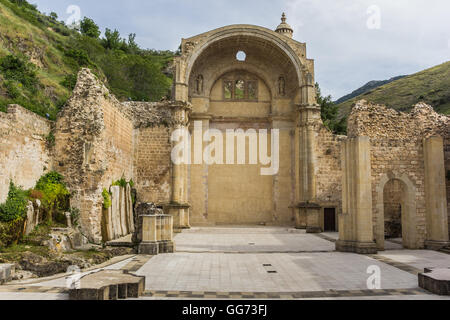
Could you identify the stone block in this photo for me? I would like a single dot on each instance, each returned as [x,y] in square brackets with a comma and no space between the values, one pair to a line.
[436,280]
[108,285]
[6,273]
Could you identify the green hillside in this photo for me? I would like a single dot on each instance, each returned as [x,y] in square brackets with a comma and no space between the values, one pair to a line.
[431,86]
[40,57]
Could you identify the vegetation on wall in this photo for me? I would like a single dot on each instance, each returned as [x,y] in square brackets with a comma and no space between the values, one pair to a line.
[106,199]
[330,113]
[40,58]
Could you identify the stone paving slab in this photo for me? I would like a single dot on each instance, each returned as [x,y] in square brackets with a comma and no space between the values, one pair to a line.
[250,240]
[419,259]
[279,272]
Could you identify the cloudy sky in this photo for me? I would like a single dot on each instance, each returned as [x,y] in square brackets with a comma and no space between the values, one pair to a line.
[352,41]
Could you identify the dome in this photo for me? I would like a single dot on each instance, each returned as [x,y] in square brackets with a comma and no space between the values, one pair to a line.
[285,28]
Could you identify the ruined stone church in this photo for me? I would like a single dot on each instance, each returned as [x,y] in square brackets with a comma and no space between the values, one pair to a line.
[388,178]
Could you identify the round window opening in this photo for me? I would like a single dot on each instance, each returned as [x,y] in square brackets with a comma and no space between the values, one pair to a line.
[241,56]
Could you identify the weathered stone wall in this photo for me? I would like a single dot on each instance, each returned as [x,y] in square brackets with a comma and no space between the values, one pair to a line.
[94,143]
[152,150]
[24,156]
[397,151]
[329,172]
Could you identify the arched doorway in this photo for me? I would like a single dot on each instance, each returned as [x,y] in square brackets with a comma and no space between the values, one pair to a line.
[396,212]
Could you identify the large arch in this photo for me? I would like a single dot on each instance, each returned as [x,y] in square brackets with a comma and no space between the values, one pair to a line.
[409,210]
[243,33]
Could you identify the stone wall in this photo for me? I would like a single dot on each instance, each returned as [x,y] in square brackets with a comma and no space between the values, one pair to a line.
[24,156]
[329,172]
[397,152]
[94,143]
[152,150]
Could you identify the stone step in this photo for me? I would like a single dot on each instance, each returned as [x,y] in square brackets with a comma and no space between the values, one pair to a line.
[6,273]
[106,285]
[436,280]
[445,250]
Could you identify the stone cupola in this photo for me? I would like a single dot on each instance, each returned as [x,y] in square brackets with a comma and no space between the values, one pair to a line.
[285,28]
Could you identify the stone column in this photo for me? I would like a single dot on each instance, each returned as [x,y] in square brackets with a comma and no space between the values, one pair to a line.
[435,194]
[179,208]
[308,120]
[355,222]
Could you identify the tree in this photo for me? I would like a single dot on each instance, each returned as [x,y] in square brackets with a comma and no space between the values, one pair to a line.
[53,16]
[132,45]
[113,40]
[89,28]
[330,113]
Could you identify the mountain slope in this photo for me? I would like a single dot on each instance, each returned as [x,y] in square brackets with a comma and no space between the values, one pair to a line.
[431,86]
[367,87]
[40,57]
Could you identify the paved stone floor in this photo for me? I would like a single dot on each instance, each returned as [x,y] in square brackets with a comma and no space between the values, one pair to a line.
[262,263]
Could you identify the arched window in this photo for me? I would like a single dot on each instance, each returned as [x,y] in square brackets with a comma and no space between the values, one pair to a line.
[240,89]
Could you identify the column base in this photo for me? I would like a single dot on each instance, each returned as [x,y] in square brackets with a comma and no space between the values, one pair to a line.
[149,248]
[313,230]
[356,247]
[436,245]
[166,247]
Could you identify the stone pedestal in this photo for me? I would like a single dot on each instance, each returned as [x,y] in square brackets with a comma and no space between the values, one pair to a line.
[180,214]
[308,216]
[154,233]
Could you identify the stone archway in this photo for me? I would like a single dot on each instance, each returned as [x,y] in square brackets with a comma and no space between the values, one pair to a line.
[408,210]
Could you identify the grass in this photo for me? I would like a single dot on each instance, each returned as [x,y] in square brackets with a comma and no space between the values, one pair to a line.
[430,86]
[24,31]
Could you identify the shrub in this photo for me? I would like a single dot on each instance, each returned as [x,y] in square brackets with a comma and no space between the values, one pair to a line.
[55,194]
[15,206]
[11,232]
[16,68]
[69,81]
[50,139]
[13,92]
[80,56]
[106,199]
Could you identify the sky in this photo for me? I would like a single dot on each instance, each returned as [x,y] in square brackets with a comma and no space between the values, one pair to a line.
[351,41]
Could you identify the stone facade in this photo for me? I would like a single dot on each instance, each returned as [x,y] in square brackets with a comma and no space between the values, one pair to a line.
[241,77]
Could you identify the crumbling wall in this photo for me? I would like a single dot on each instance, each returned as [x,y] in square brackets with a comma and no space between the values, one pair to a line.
[24,156]
[94,143]
[329,173]
[152,150]
[397,149]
